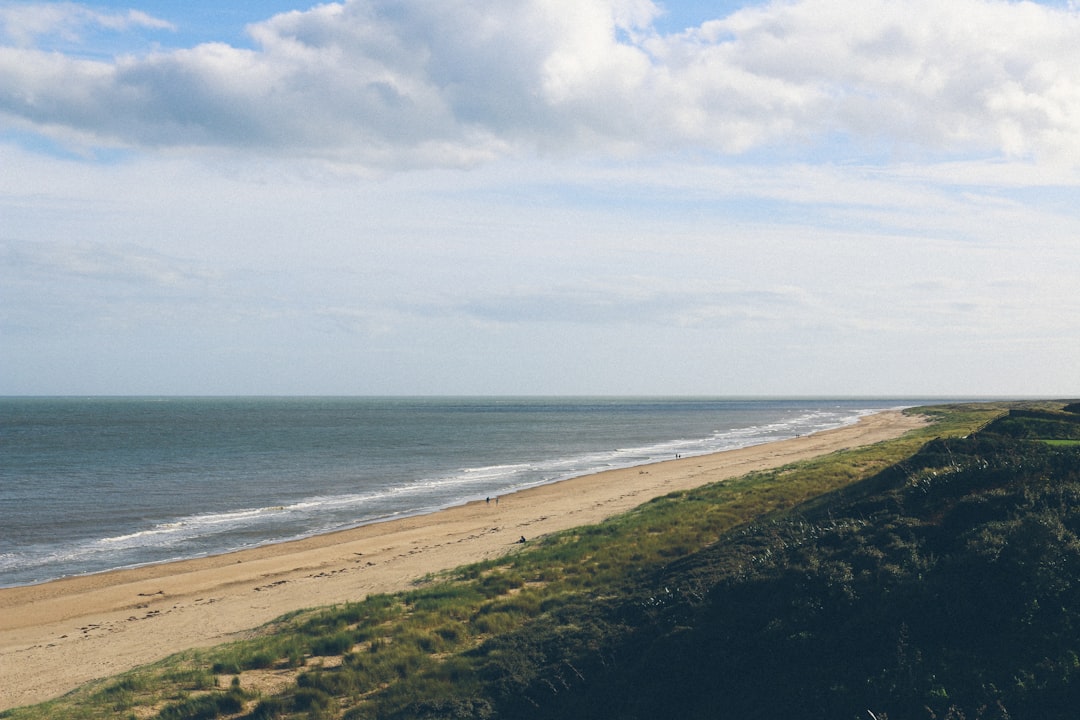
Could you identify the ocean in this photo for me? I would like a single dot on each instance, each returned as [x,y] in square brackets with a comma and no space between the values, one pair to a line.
[93,484]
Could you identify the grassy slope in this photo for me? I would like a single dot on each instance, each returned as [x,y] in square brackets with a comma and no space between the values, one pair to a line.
[948,586]
[592,622]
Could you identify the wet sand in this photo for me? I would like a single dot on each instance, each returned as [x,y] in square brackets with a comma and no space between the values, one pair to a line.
[59,635]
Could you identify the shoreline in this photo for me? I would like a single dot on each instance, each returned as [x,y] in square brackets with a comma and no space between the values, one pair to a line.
[60,634]
[396,516]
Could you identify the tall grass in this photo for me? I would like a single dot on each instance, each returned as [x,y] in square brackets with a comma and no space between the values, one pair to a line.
[419,643]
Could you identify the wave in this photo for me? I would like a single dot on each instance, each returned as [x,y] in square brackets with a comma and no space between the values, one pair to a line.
[495,469]
[285,519]
[142,534]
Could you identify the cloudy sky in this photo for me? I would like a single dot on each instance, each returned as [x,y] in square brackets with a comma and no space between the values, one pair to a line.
[806,197]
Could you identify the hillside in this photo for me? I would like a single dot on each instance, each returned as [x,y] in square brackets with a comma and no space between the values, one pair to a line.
[947,586]
[931,577]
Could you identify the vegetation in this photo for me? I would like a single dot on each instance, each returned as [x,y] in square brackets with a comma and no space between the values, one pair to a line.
[945,587]
[936,576]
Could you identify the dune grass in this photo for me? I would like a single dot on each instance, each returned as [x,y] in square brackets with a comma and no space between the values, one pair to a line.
[373,657]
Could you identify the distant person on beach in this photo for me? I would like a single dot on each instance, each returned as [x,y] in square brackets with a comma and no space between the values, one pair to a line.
[522,540]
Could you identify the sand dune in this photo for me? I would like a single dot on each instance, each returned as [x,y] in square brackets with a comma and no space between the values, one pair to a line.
[59,635]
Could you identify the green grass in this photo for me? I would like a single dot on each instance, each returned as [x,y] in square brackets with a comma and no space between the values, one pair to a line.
[425,643]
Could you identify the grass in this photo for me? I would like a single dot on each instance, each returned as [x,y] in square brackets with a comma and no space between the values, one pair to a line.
[424,642]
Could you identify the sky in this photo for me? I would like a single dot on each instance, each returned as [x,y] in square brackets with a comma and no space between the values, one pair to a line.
[540,197]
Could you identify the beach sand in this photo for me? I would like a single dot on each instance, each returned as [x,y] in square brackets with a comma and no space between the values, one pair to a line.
[59,635]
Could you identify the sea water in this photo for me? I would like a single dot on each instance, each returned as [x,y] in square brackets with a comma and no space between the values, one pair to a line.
[92,484]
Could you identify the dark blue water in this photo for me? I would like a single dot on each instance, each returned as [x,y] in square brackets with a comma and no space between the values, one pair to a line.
[94,484]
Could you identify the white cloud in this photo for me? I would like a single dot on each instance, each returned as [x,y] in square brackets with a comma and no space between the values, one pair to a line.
[903,207]
[24,23]
[407,82]
[640,300]
[269,280]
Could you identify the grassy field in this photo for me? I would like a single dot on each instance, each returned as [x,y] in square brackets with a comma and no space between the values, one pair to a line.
[480,641]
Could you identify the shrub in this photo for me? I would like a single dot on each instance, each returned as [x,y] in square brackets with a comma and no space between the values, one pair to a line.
[312,699]
[338,644]
[230,666]
[205,707]
[268,709]
[260,659]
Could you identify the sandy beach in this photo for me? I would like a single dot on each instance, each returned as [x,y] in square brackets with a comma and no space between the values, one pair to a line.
[59,635]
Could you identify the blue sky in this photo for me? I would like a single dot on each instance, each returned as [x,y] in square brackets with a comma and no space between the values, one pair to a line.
[809,197]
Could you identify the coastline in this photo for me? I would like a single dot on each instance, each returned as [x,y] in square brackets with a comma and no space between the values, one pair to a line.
[58,635]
